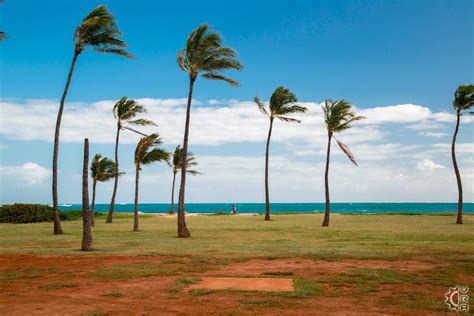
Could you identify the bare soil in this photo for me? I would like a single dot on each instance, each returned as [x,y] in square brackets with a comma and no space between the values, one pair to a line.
[67,285]
[245,284]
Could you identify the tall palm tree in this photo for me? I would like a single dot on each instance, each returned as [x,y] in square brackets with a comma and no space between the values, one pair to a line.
[338,117]
[203,55]
[99,31]
[146,153]
[102,170]
[282,103]
[125,113]
[86,219]
[463,100]
[176,167]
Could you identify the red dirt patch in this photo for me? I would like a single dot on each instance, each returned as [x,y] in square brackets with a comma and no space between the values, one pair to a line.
[160,295]
[245,284]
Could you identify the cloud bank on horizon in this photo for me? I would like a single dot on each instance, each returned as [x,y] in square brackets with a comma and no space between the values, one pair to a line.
[403,151]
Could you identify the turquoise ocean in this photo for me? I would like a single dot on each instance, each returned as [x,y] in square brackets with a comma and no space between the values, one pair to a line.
[343,208]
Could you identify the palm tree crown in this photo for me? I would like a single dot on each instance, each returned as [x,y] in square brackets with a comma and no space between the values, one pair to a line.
[103,169]
[203,53]
[178,161]
[125,112]
[464,98]
[338,117]
[148,152]
[100,31]
[282,103]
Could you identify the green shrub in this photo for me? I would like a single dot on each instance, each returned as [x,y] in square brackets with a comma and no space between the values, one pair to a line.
[36,213]
[25,213]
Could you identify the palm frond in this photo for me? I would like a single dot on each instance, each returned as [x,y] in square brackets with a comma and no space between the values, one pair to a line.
[99,30]
[288,119]
[155,155]
[215,76]
[103,169]
[194,172]
[463,97]
[338,115]
[261,106]
[147,150]
[141,122]
[203,52]
[346,150]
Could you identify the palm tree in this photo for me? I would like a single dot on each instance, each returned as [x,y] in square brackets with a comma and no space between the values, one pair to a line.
[463,100]
[176,167]
[282,103]
[203,55]
[102,170]
[99,31]
[86,219]
[146,153]
[338,117]
[125,113]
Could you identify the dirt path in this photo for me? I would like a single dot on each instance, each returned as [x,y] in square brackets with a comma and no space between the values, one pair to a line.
[149,285]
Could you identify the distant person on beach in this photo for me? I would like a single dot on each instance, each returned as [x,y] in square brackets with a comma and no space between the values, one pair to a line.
[234,209]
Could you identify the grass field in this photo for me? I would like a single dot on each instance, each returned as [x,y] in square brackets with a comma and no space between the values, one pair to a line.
[366,263]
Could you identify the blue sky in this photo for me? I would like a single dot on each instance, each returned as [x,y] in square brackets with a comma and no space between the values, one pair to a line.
[377,54]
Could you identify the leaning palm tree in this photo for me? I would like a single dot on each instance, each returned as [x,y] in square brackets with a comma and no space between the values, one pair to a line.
[463,100]
[282,103]
[102,170]
[338,117]
[146,153]
[99,31]
[176,167]
[125,113]
[203,55]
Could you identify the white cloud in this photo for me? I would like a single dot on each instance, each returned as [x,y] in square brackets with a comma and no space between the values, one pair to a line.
[402,113]
[29,173]
[461,148]
[230,122]
[428,165]
[433,134]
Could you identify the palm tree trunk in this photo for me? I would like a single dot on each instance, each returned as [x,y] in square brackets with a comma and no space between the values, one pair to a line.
[183,231]
[267,193]
[86,219]
[135,208]
[94,183]
[114,193]
[327,212]
[57,224]
[456,169]
[172,194]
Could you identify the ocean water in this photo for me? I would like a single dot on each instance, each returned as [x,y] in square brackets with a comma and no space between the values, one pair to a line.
[356,208]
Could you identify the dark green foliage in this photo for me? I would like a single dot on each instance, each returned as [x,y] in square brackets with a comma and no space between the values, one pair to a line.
[35,213]
[25,213]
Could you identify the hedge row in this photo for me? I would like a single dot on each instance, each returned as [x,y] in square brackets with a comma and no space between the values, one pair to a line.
[34,213]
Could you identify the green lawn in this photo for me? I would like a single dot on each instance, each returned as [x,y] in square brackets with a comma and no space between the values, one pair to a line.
[349,236]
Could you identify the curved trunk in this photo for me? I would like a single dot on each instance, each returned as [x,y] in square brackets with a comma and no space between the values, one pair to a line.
[135,208]
[92,211]
[114,193]
[267,193]
[183,231]
[172,194]
[456,169]
[86,219]
[327,212]
[57,223]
